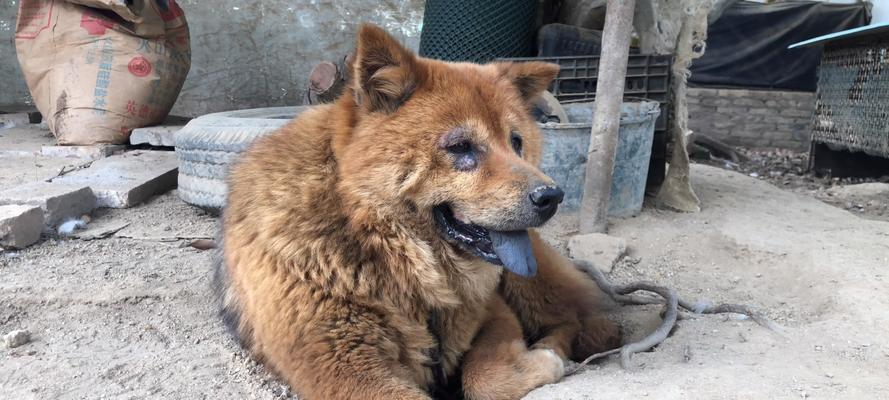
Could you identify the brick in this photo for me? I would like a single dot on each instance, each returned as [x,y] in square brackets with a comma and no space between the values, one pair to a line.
[748,102]
[748,131]
[601,250]
[20,226]
[797,96]
[779,119]
[732,110]
[719,102]
[761,111]
[808,105]
[734,93]
[760,126]
[58,201]
[722,124]
[793,127]
[160,135]
[792,112]
[127,179]
[701,108]
[90,152]
[745,118]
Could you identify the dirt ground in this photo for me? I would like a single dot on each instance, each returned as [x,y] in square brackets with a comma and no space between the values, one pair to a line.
[131,316]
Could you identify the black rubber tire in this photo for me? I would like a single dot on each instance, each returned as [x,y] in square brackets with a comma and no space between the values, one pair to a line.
[208,145]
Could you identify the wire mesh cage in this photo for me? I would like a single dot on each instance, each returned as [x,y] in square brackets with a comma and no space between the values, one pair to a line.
[852,100]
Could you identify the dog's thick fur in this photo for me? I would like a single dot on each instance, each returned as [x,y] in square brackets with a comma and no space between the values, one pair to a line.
[334,273]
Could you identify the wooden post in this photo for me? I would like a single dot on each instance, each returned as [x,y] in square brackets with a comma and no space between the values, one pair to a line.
[606,120]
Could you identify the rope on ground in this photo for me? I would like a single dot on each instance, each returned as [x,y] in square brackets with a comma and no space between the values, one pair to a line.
[624,295]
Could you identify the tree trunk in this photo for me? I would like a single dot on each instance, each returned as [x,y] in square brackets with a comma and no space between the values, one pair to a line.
[606,120]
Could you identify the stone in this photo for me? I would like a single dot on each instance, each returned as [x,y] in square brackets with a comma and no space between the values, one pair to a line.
[602,250]
[20,226]
[58,201]
[17,338]
[125,180]
[160,135]
[94,152]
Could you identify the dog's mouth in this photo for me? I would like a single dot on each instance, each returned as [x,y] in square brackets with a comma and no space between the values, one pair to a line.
[511,249]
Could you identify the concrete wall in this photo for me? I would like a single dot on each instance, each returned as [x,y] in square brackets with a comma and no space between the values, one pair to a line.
[752,118]
[12,84]
[250,54]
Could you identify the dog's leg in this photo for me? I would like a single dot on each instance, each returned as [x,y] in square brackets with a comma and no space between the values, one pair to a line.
[560,308]
[500,366]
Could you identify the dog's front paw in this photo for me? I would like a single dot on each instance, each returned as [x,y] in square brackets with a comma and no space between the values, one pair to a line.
[545,365]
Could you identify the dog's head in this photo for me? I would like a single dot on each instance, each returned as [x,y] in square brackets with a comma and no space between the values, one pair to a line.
[449,142]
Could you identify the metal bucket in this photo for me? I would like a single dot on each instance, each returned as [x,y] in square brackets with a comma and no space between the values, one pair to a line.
[565,147]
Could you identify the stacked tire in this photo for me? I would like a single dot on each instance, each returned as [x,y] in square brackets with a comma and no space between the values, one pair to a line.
[208,145]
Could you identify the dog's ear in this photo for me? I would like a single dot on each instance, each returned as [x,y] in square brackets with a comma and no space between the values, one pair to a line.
[385,74]
[530,78]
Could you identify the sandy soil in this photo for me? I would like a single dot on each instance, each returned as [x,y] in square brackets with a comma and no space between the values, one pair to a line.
[130,316]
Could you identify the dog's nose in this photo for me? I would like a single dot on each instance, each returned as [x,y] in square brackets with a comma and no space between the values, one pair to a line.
[546,199]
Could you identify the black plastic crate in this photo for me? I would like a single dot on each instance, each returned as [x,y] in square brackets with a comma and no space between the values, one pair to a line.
[648,77]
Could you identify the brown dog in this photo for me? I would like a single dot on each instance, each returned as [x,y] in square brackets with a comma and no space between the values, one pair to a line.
[363,240]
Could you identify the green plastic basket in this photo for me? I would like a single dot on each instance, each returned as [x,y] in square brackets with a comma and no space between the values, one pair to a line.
[478,30]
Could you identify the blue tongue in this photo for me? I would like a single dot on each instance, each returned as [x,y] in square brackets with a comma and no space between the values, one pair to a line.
[514,250]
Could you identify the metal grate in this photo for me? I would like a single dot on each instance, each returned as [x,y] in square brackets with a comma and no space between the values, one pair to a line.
[852,102]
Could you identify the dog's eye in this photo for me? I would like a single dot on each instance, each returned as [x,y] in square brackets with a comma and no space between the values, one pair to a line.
[465,157]
[461,147]
[516,141]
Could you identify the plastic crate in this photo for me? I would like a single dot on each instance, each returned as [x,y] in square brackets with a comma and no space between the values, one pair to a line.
[648,77]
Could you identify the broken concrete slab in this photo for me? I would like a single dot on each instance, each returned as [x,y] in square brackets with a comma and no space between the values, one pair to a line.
[20,226]
[601,250]
[58,201]
[127,179]
[160,135]
[14,119]
[24,140]
[91,152]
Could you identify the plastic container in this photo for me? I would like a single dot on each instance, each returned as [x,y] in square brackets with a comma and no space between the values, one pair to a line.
[565,146]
